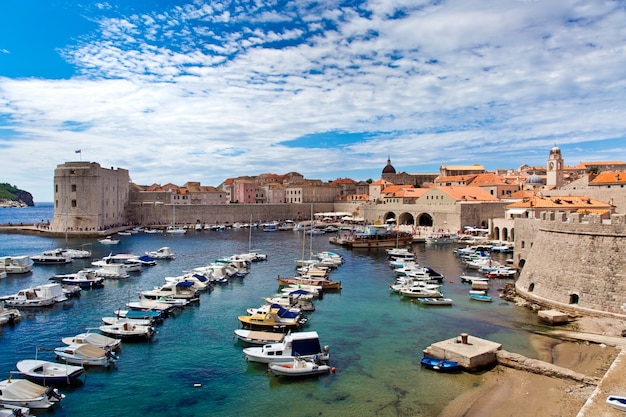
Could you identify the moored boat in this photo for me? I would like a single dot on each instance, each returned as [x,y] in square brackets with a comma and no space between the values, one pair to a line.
[52,257]
[439,365]
[16,264]
[96,339]
[299,367]
[9,315]
[163,253]
[85,278]
[109,241]
[256,337]
[302,344]
[442,301]
[45,372]
[24,393]
[85,354]
[127,330]
[480,297]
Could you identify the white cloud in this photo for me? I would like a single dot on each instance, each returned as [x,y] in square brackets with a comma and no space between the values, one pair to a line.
[487,82]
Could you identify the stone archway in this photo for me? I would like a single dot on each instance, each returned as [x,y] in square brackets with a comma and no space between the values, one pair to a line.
[406,219]
[425,220]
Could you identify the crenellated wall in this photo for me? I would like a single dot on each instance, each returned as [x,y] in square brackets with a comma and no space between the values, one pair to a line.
[571,264]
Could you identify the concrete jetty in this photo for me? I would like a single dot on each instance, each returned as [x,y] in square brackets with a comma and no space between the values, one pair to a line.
[469,352]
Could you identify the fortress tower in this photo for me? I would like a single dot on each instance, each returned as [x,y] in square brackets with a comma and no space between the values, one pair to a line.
[89,197]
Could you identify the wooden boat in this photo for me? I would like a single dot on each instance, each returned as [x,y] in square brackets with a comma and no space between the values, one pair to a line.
[127,331]
[439,365]
[616,401]
[299,367]
[47,373]
[269,322]
[96,339]
[23,393]
[480,297]
[379,237]
[326,284]
[255,337]
[85,354]
[442,301]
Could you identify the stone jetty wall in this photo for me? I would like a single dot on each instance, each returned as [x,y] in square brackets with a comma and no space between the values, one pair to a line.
[574,266]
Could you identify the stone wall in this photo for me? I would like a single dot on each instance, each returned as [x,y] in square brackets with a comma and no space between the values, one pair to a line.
[573,265]
[164,214]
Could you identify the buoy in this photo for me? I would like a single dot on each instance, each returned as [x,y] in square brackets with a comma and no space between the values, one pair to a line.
[197,385]
[333,369]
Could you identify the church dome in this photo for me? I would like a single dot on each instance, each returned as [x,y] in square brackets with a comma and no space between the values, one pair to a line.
[389,169]
[534,179]
[555,150]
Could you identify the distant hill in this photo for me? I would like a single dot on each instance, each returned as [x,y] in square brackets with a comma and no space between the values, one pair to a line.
[11,196]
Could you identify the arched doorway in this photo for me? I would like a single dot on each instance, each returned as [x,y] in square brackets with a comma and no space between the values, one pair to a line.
[425,220]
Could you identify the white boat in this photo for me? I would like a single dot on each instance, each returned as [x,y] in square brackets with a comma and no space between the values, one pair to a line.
[417,292]
[178,290]
[442,237]
[130,321]
[130,261]
[24,393]
[299,367]
[40,296]
[257,337]
[9,315]
[16,264]
[163,253]
[85,278]
[199,282]
[7,410]
[111,270]
[52,257]
[617,401]
[127,330]
[47,373]
[109,241]
[303,344]
[85,354]
[441,301]
[96,339]
[77,253]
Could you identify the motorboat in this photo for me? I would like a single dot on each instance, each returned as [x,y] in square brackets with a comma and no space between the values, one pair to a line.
[127,330]
[77,253]
[144,304]
[49,373]
[199,282]
[417,292]
[163,253]
[131,262]
[123,320]
[290,300]
[269,322]
[85,354]
[179,289]
[260,338]
[85,278]
[16,264]
[152,315]
[28,297]
[112,270]
[439,365]
[442,238]
[24,393]
[175,230]
[9,315]
[52,257]
[299,367]
[109,241]
[95,339]
[617,401]
[7,410]
[441,301]
[326,284]
[300,344]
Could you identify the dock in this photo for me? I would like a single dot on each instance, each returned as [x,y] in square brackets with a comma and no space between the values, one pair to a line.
[469,352]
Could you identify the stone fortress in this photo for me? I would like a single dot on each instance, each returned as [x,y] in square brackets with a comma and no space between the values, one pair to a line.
[570,260]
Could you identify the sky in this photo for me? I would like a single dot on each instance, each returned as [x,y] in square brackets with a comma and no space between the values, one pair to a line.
[177,91]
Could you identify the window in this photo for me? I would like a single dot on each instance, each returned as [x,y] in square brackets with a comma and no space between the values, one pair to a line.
[74,188]
[73,203]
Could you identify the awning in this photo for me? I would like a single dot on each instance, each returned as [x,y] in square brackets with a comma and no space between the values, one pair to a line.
[517,211]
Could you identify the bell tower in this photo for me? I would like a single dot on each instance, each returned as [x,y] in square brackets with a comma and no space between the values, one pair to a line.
[554,168]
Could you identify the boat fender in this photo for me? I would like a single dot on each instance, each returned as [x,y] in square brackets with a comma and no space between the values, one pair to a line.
[333,369]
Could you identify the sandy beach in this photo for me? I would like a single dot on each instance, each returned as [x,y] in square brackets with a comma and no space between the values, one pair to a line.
[507,392]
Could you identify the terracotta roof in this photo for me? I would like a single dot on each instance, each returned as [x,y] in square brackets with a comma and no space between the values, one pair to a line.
[343,181]
[466,193]
[488,179]
[456,178]
[609,177]
[382,182]
[561,203]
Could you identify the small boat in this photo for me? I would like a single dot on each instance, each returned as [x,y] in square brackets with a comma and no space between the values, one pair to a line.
[130,262]
[7,410]
[9,315]
[16,264]
[120,321]
[85,278]
[299,368]
[85,354]
[127,330]
[480,297]
[442,301]
[109,241]
[418,292]
[616,401]
[23,393]
[139,314]
[28,297]
[52,257]
[163,253]
[175,230]
[303,344]
[439,365]
[96,339]
[45,372]
[255,337]
[77,253]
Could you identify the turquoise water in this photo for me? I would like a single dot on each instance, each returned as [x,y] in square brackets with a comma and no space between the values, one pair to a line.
[376,338]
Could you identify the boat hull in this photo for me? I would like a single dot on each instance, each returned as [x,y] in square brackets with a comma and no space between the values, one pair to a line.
[439,365]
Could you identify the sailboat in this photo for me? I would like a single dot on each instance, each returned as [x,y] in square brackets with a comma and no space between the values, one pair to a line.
[173,229]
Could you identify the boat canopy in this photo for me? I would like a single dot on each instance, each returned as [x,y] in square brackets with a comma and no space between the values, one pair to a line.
[200,277]
[302,347]
[284,313]
[184,284]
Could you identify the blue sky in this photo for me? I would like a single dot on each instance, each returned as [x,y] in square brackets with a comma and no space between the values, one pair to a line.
[201,91]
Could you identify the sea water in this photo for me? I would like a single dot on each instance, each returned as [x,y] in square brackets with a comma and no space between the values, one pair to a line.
[194,366]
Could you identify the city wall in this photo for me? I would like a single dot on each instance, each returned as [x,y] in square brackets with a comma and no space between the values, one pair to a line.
[167,214]
[573,265]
